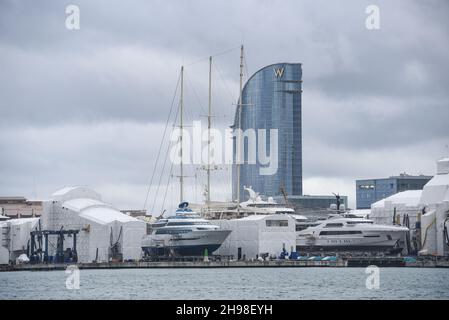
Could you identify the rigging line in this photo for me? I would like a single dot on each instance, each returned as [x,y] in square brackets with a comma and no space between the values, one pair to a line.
[166,187]
[213,55]
[245,67]
[165,162]
[162,141]
[189,83]
[224,81]
[225,51]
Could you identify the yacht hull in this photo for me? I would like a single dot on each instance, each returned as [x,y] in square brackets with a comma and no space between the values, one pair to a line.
[192,243]
[382,242]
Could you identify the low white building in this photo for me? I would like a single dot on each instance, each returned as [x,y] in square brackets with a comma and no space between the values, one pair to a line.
[104,232]
[435,221]
[15,237]
[258,235]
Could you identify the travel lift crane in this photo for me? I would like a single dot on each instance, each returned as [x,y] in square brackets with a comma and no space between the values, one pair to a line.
[39,253]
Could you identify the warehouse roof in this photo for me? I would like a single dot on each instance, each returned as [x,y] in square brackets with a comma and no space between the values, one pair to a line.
[76,192]
[104,215]
[97,211]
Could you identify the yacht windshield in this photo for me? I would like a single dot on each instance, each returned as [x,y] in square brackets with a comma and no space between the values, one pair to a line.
[334,225]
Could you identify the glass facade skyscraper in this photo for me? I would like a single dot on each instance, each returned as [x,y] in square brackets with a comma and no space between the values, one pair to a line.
[272,100]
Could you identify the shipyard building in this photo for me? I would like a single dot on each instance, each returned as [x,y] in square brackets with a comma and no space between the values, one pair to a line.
[15,237]
[258,236]
[368,191]
[75,226]
[105,233]
[20,207]
[425,212]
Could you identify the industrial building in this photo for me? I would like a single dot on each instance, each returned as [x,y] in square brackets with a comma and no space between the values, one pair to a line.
[426,212]
[75,226]
[369,191]
[258,236]
[105,233]
[15,238]
[271,99]
[20,207]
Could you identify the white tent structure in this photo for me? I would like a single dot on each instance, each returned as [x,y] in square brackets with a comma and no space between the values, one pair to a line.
[258,235]
[403,203]
[104,230]
[435,221]
[14,237]
[428,209]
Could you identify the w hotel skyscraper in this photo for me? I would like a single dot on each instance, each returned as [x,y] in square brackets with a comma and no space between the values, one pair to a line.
[272,100]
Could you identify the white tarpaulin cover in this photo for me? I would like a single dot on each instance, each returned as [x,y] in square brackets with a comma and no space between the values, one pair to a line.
[255,236]
[81,208]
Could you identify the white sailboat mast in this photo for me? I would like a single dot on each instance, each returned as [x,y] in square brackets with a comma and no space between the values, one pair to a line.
[239,137]
[181,126]
[209,125]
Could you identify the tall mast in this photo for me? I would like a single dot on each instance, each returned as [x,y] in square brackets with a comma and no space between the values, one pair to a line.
[181,176]
[239,138]
[209,128]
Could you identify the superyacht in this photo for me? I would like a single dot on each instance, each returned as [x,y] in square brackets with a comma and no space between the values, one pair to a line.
[349,234]
[184,233]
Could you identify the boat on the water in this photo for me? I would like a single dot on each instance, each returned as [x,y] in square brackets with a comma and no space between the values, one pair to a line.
[349,234]
[185,234]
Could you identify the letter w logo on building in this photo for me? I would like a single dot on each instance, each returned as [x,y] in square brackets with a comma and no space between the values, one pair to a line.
[278,72]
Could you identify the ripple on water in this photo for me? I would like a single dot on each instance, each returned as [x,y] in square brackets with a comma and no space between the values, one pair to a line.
[257,283]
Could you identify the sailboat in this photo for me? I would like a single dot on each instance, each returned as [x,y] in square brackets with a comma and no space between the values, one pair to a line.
[184,232]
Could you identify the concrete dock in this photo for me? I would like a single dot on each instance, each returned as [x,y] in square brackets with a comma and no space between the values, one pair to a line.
[352,262]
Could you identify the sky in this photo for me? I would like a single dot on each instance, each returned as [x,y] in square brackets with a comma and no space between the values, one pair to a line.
[89,106]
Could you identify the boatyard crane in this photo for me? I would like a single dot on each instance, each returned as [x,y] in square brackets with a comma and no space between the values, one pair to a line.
[36,250]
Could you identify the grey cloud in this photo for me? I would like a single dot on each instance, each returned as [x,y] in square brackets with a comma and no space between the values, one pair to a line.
[89,106]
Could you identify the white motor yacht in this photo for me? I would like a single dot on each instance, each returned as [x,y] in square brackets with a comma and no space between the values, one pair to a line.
[349,234]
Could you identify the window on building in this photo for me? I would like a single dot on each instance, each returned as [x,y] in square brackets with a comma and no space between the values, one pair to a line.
[366,186]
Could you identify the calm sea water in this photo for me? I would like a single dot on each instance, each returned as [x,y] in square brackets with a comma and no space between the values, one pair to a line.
[245,283]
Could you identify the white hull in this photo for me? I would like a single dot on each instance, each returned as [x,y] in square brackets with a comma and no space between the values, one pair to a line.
[384,240]
[190,243]
[349,234]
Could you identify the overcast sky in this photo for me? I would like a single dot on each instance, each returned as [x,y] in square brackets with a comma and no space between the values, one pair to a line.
[88,106]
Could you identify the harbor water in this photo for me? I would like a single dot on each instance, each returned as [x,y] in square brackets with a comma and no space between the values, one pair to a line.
[228,283]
